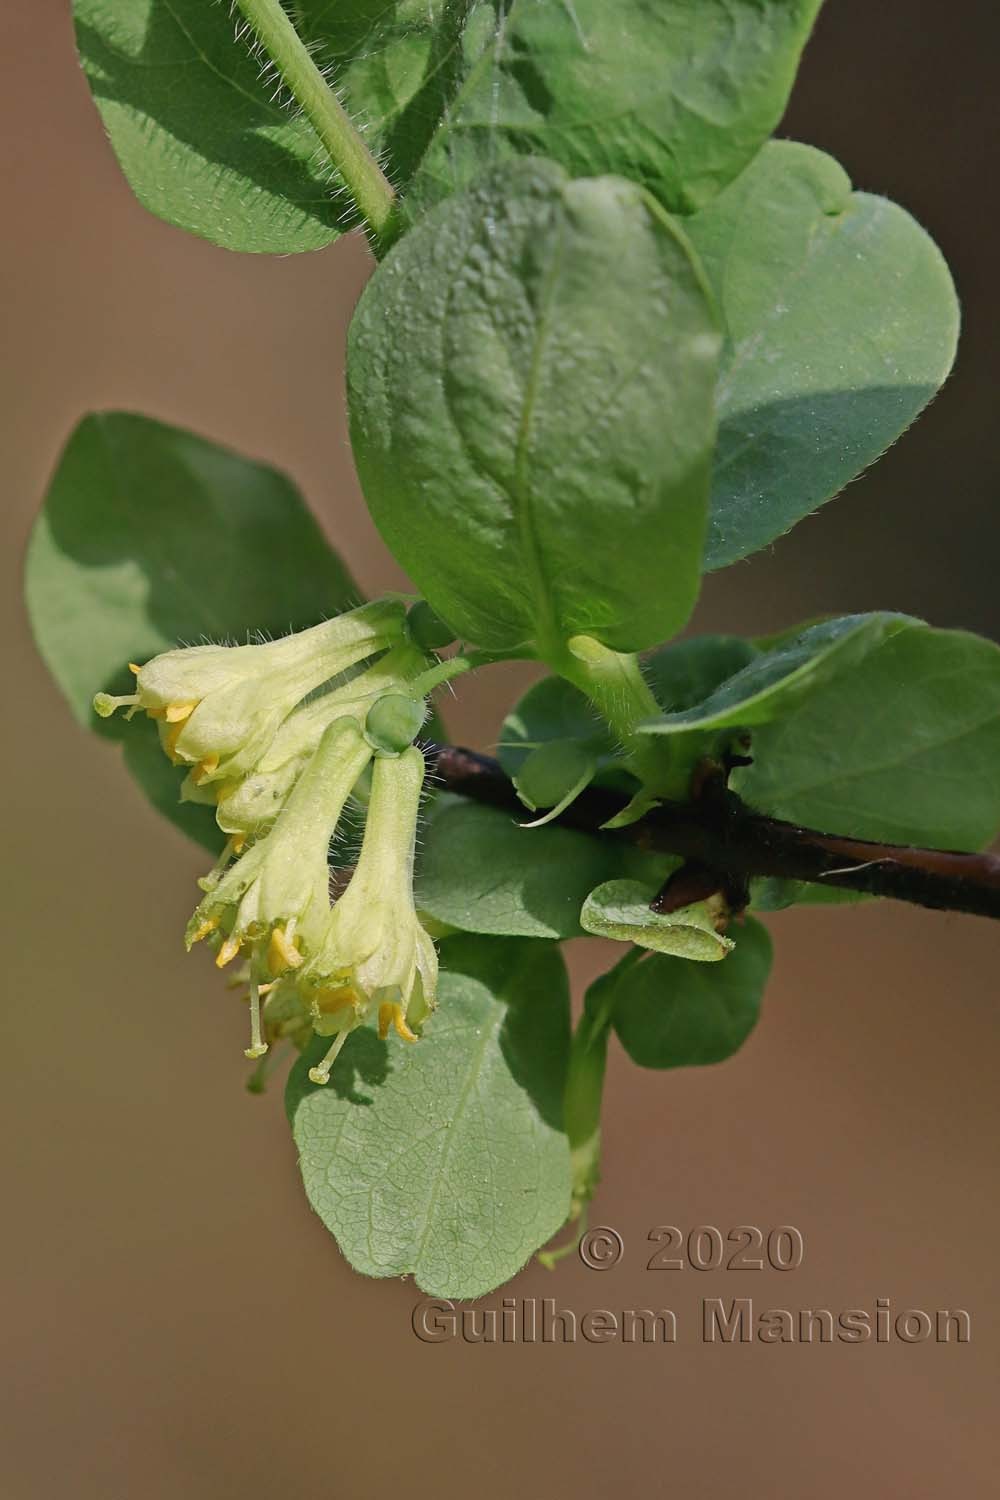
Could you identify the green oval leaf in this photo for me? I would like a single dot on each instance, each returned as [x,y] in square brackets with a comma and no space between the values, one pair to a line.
[619,909]
[150,537]
[775,681]
[508,368]
[842,321]
[447,1160]
[197,131]
[904,747]
[480,871]
[551,711]
[676,95]
[672,1014]
[554,773]
[683,673]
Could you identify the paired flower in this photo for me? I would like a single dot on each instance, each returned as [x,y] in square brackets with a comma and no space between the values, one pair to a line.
[274,900]
[277,736]
[248,807]
[218,708]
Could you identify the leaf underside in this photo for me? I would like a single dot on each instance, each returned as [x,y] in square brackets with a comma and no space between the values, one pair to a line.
[151,537]
[446,1160]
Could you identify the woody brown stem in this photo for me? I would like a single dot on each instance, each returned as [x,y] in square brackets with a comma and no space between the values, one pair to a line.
[721,833]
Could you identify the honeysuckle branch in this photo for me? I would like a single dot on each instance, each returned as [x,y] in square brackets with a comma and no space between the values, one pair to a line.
[364,178]
[719,833]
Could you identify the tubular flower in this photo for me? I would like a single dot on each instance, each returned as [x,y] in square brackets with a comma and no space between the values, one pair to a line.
[274,901]
[248,807]
[374,956]
[219,707]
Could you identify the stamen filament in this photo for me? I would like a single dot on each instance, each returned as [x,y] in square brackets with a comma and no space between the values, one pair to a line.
[257,1046]
[321,1073]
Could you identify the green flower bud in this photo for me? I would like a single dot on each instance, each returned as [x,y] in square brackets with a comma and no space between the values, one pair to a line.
[427,629]
[219,707]
[374,955]
[394,722]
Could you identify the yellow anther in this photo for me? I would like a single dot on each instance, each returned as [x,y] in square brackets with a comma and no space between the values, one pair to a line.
[228,951]
[282,953]
[392,1015]
[133,668]
[170,744]
[176,713]
[327,1002]
[204,928]
[204,767]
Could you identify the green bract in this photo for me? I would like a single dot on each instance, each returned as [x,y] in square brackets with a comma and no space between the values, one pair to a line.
[509,367]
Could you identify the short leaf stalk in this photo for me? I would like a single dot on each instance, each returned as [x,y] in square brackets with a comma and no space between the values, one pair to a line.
[614,683]
[583,1098]
[364,178]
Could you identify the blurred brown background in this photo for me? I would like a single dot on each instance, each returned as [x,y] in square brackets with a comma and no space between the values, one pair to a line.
[177,1322]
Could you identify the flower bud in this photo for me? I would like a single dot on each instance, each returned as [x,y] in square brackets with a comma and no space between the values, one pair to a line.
[427,629]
